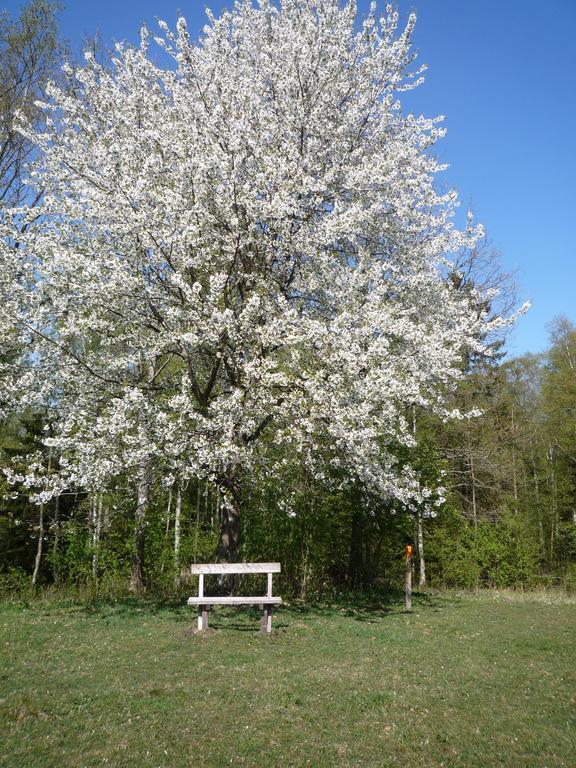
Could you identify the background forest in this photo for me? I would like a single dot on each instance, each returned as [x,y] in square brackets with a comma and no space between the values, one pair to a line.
[507,511]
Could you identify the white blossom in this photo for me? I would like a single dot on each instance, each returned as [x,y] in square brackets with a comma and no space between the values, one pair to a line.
[246,242]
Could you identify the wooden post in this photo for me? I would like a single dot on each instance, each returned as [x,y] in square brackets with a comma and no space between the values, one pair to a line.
[202,609]
[408,577]
[202,618]
[266,625]
[201,585]
[269,590]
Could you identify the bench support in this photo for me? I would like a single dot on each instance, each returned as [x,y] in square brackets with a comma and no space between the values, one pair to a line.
[266,623]
[203,617]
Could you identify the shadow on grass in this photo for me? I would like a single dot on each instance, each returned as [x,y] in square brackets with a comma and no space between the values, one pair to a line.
[365,606]
[248,623]
[362,607]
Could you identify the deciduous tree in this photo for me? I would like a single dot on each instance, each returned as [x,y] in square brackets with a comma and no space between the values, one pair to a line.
[246,242]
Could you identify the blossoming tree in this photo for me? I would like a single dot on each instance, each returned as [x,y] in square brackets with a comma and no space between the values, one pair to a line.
[245,242]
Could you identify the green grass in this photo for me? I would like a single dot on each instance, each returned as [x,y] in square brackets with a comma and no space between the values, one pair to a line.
[462,681]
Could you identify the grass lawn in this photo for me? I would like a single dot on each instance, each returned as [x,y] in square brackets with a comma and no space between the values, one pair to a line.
[462,681]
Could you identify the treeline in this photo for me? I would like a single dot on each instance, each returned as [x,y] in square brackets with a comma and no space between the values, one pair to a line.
[508,519]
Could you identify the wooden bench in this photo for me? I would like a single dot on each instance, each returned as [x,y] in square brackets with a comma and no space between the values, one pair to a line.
[204,603]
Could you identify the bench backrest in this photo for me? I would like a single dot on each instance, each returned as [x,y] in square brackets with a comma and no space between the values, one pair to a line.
[199,568]
[202,569]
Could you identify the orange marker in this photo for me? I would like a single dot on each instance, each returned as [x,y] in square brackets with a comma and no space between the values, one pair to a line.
[408,577]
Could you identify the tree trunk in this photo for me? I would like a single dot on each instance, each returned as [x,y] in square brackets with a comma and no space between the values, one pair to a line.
[538,508]
[56,541]
[419,529]
[169,510]
[473,483]
[355,558]
[229,540]
[145,470]
[554,522]
[38,557]
[514,474]
[205,499]
[197,527]
[142,504]
[217,510]
[96,533]
[421,559]
[39,547]
[306,571]
[177,517]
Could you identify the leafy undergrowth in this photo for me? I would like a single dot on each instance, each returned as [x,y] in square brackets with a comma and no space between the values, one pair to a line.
[461,681]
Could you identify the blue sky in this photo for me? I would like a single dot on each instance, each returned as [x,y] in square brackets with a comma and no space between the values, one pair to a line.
[504,74]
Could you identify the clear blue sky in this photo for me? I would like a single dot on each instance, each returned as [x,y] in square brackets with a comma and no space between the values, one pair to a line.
[504,74]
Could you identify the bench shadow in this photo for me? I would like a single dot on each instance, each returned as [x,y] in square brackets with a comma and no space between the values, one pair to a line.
[361,607]
[254,628]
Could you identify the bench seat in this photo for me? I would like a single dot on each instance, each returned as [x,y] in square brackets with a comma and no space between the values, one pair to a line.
[234,601]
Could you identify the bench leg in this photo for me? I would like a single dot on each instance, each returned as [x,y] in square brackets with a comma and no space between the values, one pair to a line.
[202,618]
[266,624]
